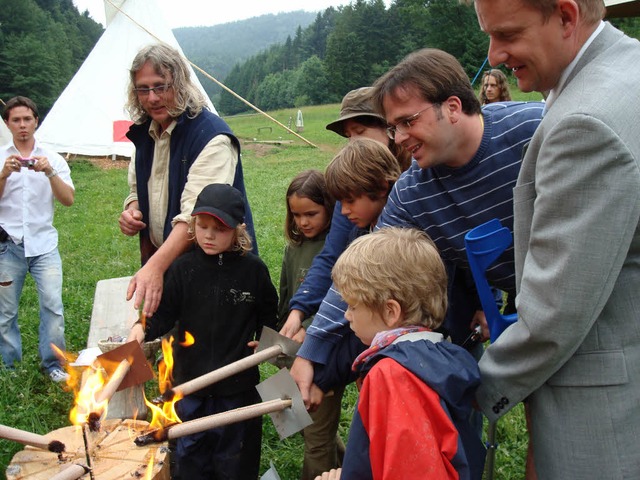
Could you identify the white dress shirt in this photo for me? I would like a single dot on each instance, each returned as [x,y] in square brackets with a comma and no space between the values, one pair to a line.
[27,204]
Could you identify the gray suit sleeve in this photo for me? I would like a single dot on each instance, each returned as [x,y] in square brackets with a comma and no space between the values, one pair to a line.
[584,205]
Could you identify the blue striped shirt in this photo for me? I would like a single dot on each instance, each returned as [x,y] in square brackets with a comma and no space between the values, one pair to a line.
[446,203]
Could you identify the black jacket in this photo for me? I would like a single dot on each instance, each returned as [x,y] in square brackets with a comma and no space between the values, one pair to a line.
[223,301]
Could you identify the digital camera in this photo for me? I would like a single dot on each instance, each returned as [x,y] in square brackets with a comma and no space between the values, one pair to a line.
[28,162]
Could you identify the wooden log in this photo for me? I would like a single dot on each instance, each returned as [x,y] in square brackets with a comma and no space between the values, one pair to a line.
[110,453]
[227,418]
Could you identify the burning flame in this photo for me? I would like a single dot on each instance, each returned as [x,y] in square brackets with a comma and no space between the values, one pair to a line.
[149,473]
[93,380]
[165,414]
[86,384]
[188,340]
[67,358]
[165,367]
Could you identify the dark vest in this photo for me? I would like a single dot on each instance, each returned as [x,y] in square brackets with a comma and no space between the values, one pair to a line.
[188,138]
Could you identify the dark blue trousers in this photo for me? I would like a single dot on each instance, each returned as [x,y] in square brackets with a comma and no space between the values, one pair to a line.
[231,452]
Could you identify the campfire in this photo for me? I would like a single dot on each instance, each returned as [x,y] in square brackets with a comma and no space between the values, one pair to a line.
[93,447]
[107,449]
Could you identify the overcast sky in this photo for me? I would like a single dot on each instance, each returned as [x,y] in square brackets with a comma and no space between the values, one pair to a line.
[191,13]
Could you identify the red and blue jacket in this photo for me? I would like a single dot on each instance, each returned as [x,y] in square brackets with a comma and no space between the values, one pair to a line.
[412,417]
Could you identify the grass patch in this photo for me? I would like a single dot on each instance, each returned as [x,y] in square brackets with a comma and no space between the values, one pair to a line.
[93,249]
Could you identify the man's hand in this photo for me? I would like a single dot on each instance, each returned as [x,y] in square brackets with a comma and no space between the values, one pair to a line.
[11,165]
[147,286]
[480,319]
[42,165]
[130,221]
[147,282]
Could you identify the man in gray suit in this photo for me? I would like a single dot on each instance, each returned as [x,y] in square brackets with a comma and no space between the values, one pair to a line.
[574,354]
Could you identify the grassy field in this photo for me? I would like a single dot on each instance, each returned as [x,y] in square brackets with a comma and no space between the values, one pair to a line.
[93,249]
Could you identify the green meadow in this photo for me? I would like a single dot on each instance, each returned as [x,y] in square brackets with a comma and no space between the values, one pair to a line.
[92,249]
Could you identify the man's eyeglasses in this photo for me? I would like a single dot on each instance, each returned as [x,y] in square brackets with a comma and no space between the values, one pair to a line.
[403,126]
[159,90]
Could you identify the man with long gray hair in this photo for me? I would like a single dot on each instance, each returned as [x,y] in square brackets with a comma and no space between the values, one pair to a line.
[181,147]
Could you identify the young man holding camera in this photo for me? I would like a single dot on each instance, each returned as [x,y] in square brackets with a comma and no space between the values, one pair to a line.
[30,179]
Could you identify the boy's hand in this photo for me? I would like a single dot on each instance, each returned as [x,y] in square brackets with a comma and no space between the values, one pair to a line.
[333,474]
[302,373]
[253,344]
[136,333]
[293,324]
[299,337]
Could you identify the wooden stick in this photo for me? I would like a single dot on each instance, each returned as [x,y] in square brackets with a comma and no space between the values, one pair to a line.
[73,472]
[213,421]
[32,439]
[221,373]
[114,382]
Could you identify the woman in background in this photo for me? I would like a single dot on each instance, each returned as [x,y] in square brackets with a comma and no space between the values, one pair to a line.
[495,87]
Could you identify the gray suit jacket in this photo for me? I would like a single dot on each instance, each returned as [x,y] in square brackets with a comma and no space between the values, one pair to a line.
[575,350]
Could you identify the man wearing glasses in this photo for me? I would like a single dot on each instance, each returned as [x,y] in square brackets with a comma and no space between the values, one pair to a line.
[466,162]
[180,148]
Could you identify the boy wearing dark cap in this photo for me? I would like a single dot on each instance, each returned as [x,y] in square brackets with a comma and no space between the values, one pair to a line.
[222,295]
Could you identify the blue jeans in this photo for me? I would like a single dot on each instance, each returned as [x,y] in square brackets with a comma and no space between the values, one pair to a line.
[46,271]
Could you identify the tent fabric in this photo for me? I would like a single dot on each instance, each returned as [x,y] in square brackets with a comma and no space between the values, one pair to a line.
[88,116]
[5,134]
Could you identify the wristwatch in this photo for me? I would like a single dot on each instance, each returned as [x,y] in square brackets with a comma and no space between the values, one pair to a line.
[53,173]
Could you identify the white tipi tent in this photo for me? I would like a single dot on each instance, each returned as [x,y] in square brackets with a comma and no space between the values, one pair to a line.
[89,116]
[5,134]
